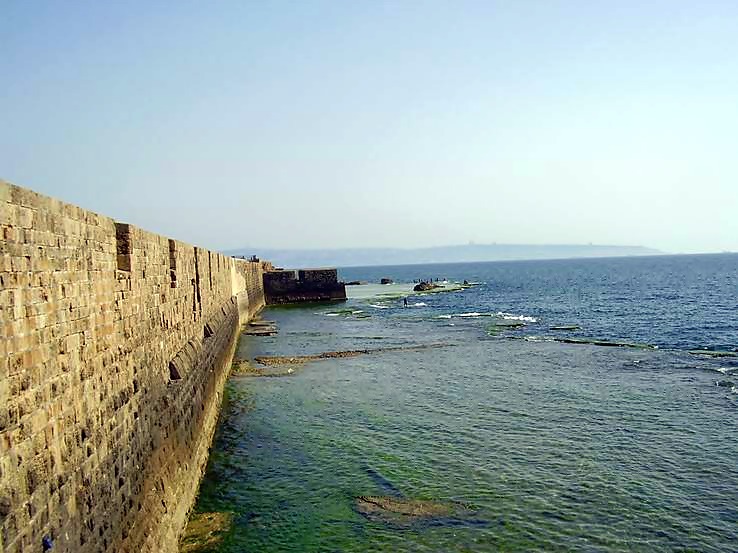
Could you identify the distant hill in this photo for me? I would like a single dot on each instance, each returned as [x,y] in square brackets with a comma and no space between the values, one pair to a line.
[358,257]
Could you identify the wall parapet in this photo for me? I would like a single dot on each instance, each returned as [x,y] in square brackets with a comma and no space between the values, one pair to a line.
[115,344]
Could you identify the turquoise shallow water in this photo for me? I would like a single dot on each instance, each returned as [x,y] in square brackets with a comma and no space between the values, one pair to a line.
[557,447]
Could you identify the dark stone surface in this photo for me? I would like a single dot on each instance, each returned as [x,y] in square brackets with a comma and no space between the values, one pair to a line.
[425,286]
[305,285]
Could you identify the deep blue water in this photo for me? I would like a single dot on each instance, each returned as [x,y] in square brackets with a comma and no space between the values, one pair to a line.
[683,302]
[556,446]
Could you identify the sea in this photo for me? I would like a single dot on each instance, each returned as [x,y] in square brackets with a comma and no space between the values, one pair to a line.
[566,405]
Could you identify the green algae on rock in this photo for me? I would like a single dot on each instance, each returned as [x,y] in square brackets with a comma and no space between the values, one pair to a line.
[205,531]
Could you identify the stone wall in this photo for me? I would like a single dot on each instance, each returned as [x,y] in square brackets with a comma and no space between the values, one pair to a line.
[305,285]
[115,344]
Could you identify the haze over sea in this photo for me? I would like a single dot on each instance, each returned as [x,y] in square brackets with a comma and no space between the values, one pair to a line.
[555,446]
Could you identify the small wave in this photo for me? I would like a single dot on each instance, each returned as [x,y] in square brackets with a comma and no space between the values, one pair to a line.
[471,314]
[420,304]
[332,314]
[500,314]
[357,311]
[513,317]
[726,370]
[537,339]
[378,306]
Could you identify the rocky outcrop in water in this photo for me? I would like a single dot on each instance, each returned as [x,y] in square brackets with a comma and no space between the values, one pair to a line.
[606,343]
[261,328]
[205,531]
[425,286]
[714,353]
[269,361]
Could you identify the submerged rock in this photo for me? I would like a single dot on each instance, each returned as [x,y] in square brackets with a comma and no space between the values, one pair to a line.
[714,353]
[261,322]
[260,331]
[404,512]
[244,368]
[260,328]
[386,281]
[595,342]
[205,531]
[496,328]
[270,361]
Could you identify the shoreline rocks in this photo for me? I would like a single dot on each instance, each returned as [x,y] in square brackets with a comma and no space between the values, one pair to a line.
[260,328]
[205,531]
[285,360]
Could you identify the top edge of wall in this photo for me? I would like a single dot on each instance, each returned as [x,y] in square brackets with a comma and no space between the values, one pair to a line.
[26,197]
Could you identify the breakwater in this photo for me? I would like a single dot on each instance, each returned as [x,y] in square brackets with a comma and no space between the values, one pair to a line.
[303,286]
[115,344]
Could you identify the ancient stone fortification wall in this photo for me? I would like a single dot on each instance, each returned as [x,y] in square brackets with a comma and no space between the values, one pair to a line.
[115,344]
[305,285]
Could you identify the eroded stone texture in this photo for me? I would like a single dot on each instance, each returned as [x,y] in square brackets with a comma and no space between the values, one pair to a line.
[115,344]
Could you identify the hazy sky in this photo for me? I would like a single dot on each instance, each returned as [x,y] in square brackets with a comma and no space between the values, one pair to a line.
[348,123]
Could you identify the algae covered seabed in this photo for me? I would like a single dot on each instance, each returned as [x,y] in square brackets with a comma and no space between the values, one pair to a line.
[447,428]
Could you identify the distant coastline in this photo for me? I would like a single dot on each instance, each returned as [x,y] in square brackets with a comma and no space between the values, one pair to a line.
[364,257]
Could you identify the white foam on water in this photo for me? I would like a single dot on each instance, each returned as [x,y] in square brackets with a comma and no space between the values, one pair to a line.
[378,306]
[420,304]
[513,317]
[471,314]
[726,370]
[357,311]
[538,339]
[332,314]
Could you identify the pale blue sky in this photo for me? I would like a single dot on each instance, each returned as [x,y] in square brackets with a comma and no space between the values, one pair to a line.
[336,124]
